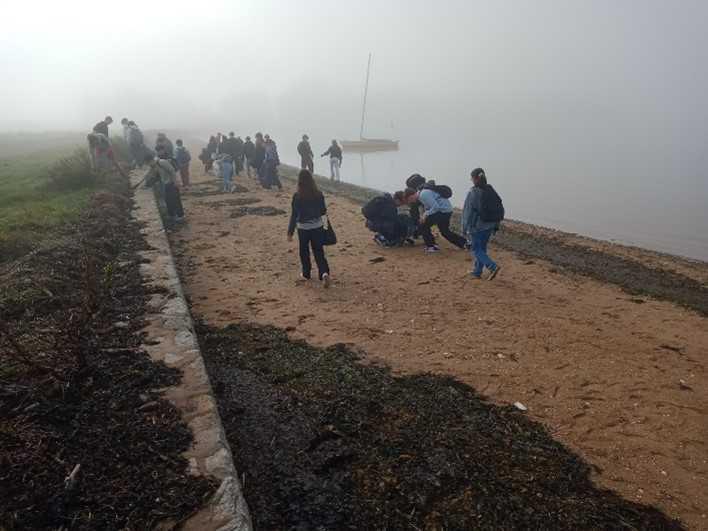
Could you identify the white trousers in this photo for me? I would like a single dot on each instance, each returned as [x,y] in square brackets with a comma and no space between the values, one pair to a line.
[334,164]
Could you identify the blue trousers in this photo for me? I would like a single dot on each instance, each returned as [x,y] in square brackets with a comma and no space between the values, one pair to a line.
[479,252]
[227,172]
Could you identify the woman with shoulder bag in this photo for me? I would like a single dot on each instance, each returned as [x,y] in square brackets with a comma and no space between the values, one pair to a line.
[308,209]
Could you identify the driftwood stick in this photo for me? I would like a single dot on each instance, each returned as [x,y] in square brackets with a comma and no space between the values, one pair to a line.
[70,481]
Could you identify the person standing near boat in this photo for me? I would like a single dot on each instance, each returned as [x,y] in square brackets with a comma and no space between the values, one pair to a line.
[335,160]
[306,154]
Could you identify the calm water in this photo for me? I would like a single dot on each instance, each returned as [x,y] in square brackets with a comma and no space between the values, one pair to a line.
[617,200]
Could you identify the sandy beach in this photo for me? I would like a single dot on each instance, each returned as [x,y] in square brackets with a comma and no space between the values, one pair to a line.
[614,366]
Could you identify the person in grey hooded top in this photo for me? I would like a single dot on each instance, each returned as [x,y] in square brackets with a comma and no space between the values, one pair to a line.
[476,229]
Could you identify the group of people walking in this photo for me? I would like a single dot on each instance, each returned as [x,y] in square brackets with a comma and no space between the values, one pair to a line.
[230,155]
[428,204]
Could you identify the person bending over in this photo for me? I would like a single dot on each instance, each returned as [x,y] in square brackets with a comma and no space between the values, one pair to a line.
[438,211]
[382,217]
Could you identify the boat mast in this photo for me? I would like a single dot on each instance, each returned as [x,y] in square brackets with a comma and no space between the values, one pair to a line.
[366,91]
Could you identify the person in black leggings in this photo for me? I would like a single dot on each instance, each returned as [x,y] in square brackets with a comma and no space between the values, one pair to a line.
[308,208]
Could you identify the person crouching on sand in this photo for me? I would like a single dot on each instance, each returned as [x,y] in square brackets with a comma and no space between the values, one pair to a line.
[308,208]
[481,215]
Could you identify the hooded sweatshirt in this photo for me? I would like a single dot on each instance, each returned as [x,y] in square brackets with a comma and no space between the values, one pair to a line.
[434,203]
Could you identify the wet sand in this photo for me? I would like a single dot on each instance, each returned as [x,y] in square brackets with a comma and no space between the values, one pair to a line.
[617,375]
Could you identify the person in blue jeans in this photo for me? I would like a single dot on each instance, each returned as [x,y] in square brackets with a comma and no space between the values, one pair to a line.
[227,172]
[478,230]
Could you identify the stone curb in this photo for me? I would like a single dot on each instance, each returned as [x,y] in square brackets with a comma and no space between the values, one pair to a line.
[172,340]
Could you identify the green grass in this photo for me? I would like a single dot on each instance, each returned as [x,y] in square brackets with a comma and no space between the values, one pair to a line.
[29,208]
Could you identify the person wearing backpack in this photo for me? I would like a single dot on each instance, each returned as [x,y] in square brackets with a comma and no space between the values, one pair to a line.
[183,158]
[308,209]
[438,211]
[481,215]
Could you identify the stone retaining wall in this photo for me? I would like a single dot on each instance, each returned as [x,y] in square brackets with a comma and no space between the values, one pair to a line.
[172,340]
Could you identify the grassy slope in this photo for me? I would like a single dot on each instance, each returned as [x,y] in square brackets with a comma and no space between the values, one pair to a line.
[27,208]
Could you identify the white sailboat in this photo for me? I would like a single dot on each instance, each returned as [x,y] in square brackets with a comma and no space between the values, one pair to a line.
[368,144]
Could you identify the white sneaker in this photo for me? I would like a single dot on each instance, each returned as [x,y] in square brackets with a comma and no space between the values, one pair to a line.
[326,281]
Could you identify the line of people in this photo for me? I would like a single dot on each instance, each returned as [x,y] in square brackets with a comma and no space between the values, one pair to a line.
[229,155]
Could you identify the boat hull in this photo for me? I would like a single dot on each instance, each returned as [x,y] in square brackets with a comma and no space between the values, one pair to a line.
[369,144]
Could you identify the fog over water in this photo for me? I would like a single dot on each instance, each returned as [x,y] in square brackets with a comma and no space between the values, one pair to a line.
[588,115]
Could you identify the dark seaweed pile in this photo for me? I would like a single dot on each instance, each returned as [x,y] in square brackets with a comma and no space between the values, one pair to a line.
[75,388]
[325,442]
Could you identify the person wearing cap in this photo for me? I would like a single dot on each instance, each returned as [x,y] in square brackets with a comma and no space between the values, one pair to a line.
[306,154]
[476,228]
[102,126]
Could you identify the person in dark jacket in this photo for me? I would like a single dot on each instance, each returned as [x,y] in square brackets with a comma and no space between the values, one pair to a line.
[271,161]
[249,150]
[308,209]
[238,155]
[259,156]
[415,182]
[335,159]
[476,228]
[391,228]
[164,147]
[306,155]
[183,157]
[102,126]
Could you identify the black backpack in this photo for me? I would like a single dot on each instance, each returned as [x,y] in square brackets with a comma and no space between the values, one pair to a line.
[379,207]
[444,190]
[492,209]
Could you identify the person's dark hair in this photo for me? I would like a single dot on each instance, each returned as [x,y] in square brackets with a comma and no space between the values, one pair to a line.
[399,197]
[232,133]
[108,119]
[124,121]
[479,174]
[178,141]
[306,185]
[409,192]
[131,122]
[415,181]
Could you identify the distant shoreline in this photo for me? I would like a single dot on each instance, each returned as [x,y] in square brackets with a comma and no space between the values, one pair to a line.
[638,271]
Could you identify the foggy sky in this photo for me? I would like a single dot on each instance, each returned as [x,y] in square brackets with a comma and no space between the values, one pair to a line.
[63,65]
